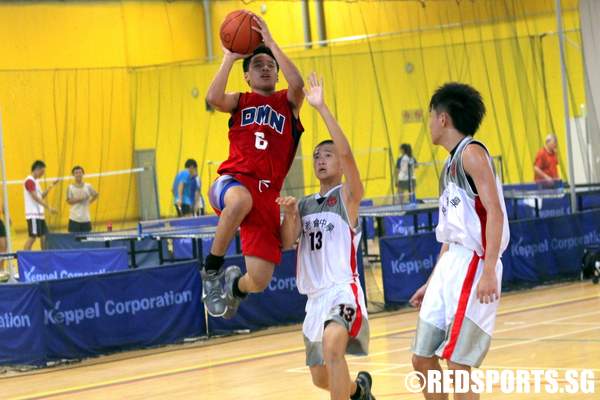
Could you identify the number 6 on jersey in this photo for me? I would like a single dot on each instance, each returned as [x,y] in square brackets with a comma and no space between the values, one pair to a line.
[260,142]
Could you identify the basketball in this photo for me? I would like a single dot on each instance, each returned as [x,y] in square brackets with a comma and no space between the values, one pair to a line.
[237,34]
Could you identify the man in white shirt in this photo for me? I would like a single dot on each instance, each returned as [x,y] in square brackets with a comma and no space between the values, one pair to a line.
[35,204]
[80,195]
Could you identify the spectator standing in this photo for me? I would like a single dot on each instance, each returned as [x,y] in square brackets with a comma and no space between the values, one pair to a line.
[80,195]
[185,189]
[546,163]
[405,173]
[35,204]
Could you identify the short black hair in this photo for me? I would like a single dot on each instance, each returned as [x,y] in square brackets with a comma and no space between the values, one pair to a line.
[407,149]
[75,168]
[262,49]
[463,103]
[191,163]
[326,141]
[37,164]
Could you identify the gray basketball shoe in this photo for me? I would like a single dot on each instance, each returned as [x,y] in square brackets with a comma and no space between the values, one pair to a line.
[231,274]
[212,293]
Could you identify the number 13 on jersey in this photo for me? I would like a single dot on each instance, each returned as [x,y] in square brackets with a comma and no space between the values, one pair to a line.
[316,240]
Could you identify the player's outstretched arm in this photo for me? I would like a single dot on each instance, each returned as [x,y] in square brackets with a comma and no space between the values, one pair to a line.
[290,72]
[290,228]
[216,96]
[477,164]
[353,187]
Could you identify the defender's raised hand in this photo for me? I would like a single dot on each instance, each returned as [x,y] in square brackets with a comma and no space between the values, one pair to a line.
[314,91]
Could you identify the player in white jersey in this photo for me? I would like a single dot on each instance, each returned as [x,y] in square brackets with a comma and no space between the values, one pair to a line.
[336,319]
[459,302]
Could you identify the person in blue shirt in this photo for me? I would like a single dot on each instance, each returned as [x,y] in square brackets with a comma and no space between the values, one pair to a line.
[186,189]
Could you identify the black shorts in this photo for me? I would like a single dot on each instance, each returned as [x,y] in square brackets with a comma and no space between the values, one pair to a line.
[36,227]
[2,229]
[79,227]
[185,209]
[407,186]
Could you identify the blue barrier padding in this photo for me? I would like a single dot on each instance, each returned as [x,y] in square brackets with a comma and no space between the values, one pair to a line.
[518,209]
[182,248]
[65,241]
[589,201]
[35,266]
[22,333]
[405,225]
[92,315]
[540,250]
[406,264]
[370,221]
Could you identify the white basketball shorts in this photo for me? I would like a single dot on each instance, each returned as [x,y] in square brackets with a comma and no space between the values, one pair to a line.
[453,324]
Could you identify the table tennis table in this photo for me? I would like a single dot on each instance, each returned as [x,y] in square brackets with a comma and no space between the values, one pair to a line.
[428,206]
[537,196]
[161,230]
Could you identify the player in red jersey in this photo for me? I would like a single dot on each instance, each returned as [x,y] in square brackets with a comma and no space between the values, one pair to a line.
[264,131]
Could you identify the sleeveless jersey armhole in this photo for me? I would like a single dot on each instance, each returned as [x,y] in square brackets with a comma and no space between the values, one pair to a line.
[470,180]
[356,226]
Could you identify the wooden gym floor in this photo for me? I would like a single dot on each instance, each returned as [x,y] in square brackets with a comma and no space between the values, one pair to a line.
[551,327]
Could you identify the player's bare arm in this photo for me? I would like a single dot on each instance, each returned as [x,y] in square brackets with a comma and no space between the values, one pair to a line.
[290,227]
[41,202]
[180,194]
[289,70]
[353,189]
[45,192]
[94,196]
[216,96]
[72,200]
[542,173]
[477,164]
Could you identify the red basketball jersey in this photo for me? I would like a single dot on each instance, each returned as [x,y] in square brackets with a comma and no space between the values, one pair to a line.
[263,138]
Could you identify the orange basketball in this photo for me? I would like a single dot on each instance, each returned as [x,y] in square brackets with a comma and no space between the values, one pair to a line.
[237,34]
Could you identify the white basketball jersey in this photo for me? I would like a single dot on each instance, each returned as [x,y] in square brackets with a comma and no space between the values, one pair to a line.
[33,209]
[462,215]
[328,244]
